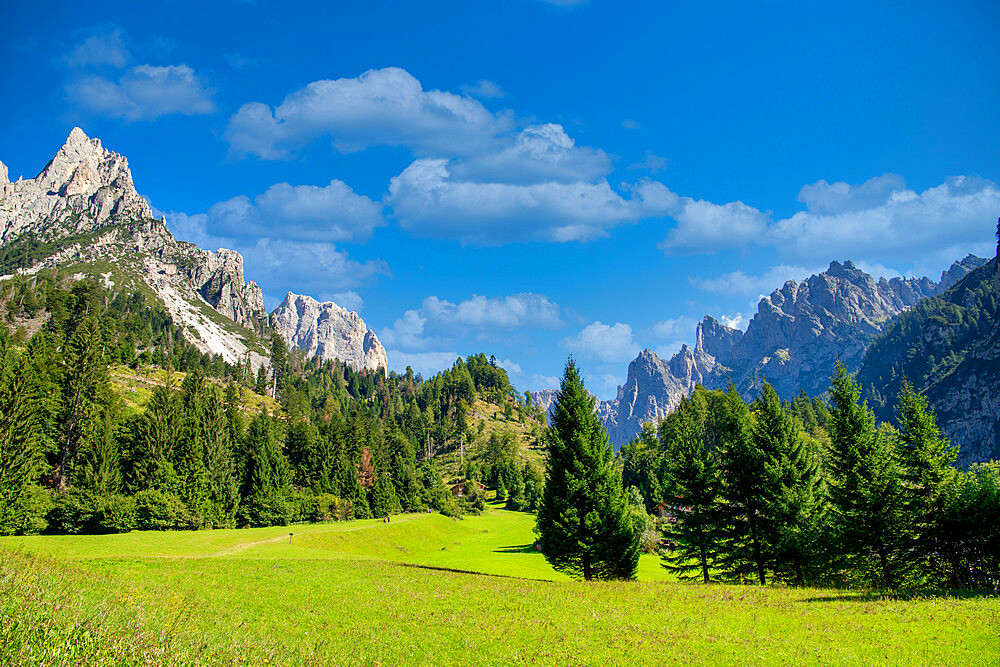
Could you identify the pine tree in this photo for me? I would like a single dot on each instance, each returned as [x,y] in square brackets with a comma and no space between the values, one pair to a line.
[742,547]
[867,492]
[929,475]
[693,488]
[584,522]
[793,493]
[84,393]
[21,456]
[158,433]
[220,469]
[265,488]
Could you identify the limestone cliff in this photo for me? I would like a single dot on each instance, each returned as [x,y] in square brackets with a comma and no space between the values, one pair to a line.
[793,342]
[83,213]
[326,330]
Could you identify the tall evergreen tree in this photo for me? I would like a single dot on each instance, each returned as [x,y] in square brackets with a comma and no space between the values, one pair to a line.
[929,475]
[220,469]
[265,487]
[867,490]
[742,547]
[793,493]
[585,522]
[84,393]
[693,488]
[21,456]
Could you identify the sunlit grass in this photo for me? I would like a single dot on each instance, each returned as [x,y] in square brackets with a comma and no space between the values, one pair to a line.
[348,594]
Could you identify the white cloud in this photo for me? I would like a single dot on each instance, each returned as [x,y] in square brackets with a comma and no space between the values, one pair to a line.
[105,47]
[735,321]
[631,124]
[381,107]
[825,198]
[428,202]
[348,299]
[302,212]
[704,227]
[877,221]
[438,320]
[738,283]
[538,154]
[424,363]
[953,215]
[650,162]
[512,367]
[539,381]
[484,90]
[144,92]
[677,328]
[602,342]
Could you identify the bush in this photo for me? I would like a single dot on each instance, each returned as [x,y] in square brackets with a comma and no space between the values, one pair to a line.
[117,514]
[28,513]
[74,512]
[156,510]
[266,511]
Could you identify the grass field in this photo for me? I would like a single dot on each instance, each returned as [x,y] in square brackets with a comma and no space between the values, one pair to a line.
[362,593]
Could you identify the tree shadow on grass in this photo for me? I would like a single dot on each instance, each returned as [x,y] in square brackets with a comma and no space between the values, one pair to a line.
[902,596]
[517,549]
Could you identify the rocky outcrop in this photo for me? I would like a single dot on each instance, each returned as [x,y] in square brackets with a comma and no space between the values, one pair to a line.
[793,341]
[83,211]
[328,331]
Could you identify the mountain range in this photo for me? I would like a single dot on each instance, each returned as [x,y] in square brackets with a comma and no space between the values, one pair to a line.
[801,330]
[83,215]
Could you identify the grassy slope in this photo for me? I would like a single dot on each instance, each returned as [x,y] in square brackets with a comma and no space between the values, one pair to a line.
[135,388]
[339,594]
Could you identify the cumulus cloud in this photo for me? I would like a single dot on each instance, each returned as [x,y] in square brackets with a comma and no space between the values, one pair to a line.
[877,221]
[738,283]
[105,47]
[677,328]
[381,107]
[305,212]
[429,202]
[439,320]
[603,342]
[144,92]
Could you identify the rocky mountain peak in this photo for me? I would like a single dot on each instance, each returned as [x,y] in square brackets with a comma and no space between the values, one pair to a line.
[329,331]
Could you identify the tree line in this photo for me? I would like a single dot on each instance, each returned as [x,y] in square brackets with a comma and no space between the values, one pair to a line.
[328,442]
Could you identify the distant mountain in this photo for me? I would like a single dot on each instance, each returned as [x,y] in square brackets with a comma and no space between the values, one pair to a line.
[83,216]
[793,341]
[326,330]
[948,347]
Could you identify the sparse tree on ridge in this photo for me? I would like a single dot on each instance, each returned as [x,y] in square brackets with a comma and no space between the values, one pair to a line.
[585,523]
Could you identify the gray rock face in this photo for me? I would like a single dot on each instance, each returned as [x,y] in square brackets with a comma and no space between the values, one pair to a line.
[85,205]
[793,342]
[326,330]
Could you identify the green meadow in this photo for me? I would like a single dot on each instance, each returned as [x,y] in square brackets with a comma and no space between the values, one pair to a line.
[426,589]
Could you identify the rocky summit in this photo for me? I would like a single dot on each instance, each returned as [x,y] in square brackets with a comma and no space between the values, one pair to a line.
[83,214]
[328,331]
[793,341]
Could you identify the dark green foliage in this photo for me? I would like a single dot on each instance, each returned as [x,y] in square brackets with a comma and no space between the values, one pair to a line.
[584,523]
[867,490]
[21,442]
[693,486]
[266,485]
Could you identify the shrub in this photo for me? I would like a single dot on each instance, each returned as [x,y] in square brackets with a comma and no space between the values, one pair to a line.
[74,512]
[27,515]
[267,511]
[117,514]
[156,510]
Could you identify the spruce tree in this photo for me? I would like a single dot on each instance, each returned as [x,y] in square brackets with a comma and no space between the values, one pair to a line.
[584,522]
[793,492]
[693,488]
[742,524]
[867,491]
[220,469]
[265,489]
[928,460]
[21,460]
[84,393]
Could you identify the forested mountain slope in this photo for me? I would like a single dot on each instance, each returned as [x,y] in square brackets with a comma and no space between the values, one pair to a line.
[948,347]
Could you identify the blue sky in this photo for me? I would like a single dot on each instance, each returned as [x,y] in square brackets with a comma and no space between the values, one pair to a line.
[532,178]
